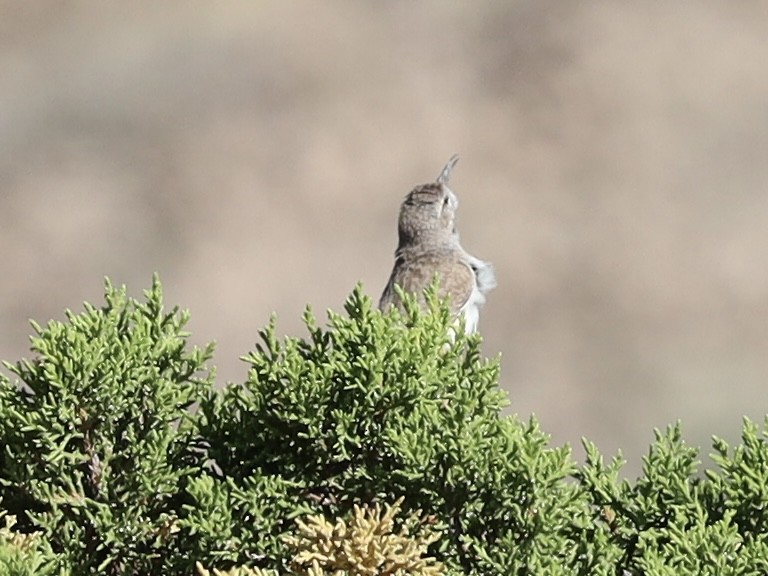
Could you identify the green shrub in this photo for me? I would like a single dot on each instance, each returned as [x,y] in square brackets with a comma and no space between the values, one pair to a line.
[110,469]
[378,407]
[98,444]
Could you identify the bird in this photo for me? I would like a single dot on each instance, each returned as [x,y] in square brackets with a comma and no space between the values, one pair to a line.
[428,245]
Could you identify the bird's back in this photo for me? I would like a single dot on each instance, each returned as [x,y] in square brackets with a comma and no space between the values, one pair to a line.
[414,272]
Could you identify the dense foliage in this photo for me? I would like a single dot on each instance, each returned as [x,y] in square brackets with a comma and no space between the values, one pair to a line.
[376,444]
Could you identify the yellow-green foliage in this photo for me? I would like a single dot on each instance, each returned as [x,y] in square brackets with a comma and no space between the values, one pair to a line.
[368,544]
[19,553]
[21,542]
[235,571]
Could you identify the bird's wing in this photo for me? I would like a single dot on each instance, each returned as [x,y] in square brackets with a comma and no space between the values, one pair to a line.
[415,273]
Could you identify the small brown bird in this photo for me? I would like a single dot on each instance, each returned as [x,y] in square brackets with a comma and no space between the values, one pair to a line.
[428,244]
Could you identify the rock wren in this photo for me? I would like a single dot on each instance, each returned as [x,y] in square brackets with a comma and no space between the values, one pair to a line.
[428,245]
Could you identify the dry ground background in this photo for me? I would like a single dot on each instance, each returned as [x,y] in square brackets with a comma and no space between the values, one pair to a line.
[614,168]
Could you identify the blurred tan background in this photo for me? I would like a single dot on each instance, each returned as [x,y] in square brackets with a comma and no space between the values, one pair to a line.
[614,168]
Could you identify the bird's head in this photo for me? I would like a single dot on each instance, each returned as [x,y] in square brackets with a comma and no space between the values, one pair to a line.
[428,213]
